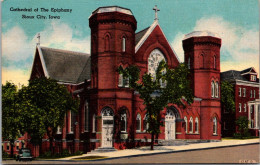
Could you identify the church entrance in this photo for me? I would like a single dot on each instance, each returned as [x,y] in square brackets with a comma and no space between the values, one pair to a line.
[107,127]
[169,125]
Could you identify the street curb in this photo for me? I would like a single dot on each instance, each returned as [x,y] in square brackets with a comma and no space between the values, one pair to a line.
[167,152]
[157,153]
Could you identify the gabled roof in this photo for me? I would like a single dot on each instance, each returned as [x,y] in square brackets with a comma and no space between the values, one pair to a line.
[144,34]
[248,70]
[140,34]
[65,66]
[232,75]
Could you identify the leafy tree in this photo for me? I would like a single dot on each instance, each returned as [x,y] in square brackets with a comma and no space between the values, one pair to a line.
[227,96]
[155,96]
[11,114]
[242,123]
[44,103]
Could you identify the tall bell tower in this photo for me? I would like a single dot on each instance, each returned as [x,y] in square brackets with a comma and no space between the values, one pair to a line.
[112,45]
[202,55]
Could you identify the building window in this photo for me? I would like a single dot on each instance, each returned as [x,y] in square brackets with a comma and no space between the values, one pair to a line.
[86,116]
[240,92]
[123,44]
[253,78]
[216,90]
[72,120]
[123,82]
[189,63]
[215,126]
[244,92]
[254,93]
[186,124]
[240,107]
[196,125]
[145,123]
[251,93]
[17,146]
[58,130]
[244,107]
[123,123]
[138,123]
[94,123]
[191,125]
[212,89]
[106,43]
[8,146]
[215,62]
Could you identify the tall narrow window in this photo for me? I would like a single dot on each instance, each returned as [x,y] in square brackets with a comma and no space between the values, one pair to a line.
[123,44]
[212,89]
[240,92]
[72,121]
[216,90]
[94,123]
[126,82]
[214,62]
[191,125]
[189,63]
[252,123]
[123,125]
[186,124]
[138,123]
[145,123]
[244,92]
[251,93]
[86,116]
[254,93]
[107,43]
[240,107]
[244,107]
[120,80]
[58,130]
[196,125]
[8,146]
[215,125]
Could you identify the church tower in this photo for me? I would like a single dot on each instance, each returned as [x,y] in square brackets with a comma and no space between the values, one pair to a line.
[202,55]
[112,45]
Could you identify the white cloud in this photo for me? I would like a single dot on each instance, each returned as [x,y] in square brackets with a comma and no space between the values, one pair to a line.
[60,35]
[18,48]
[239,45]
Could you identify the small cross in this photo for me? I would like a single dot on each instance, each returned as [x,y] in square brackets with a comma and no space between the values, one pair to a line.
[156,10]
[38,43]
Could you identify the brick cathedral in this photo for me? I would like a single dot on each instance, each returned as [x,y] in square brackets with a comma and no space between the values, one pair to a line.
[111,115]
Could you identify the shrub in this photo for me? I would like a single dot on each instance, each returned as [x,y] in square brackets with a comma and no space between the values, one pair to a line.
[5,154]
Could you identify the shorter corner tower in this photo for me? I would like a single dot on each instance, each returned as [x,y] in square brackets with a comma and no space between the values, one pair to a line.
[202,55]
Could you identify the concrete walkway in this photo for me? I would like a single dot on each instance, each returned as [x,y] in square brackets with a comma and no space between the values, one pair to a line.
[167,149]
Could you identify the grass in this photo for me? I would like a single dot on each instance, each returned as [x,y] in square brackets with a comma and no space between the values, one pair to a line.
[90,158]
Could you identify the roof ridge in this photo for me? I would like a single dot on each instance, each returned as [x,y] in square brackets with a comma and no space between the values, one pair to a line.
[143,30]
[62,50]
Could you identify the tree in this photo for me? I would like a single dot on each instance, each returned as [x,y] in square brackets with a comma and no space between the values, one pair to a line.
[44,103]
[157,96]
[242,123]
[227,96]
[11,114]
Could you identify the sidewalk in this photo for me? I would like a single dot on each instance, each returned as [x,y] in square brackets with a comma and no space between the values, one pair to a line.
[167,149]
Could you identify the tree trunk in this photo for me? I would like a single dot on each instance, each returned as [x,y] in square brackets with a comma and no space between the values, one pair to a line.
[12,149]
[152,142]
[51,145]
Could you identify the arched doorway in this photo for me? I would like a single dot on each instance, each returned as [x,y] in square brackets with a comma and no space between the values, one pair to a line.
[107,127]
[170,123]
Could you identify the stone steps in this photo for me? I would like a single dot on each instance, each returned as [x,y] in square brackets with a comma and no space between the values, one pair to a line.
[103,149]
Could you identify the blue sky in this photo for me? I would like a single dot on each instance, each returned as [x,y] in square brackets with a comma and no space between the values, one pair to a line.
[236,21]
